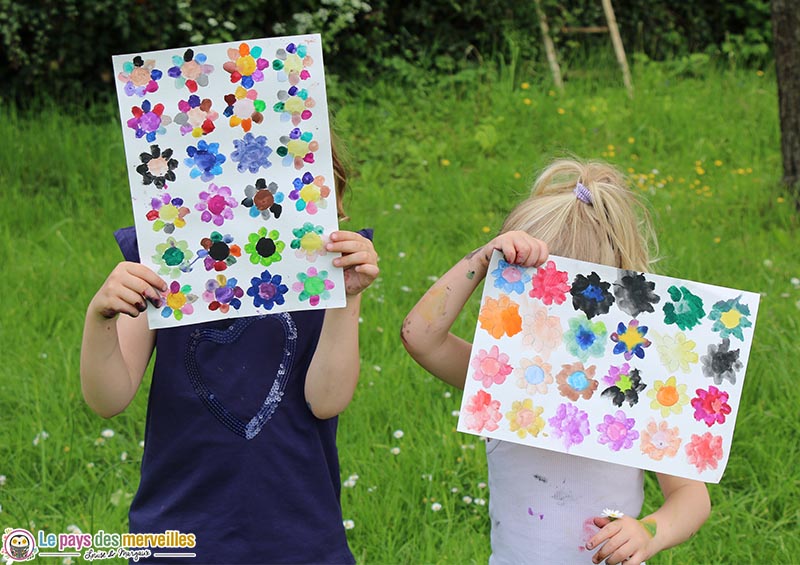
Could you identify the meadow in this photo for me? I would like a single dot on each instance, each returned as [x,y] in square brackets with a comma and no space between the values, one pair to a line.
[435,168]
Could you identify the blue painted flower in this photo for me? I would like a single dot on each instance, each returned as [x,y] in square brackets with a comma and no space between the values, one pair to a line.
[590,295]
[252,153]
[730,317]
[585,338]
[267,290]
[510,278]
[630,341]
[205,160]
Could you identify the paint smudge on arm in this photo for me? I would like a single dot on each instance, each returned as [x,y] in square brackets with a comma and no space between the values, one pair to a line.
[649,524]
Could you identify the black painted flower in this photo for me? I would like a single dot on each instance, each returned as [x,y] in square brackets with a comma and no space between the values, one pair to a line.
[635,294]
[626,384]
[157,167]
[721,363]
[590,295]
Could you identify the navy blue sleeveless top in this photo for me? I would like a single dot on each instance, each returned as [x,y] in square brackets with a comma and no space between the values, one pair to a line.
[232,452]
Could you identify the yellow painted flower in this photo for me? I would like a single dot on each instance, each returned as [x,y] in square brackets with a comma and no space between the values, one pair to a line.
[676,352]
[668,397]
[525,418]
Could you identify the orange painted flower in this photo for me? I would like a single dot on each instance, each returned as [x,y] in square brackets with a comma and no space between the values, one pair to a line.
[500,317]
[659,441]
[668,396]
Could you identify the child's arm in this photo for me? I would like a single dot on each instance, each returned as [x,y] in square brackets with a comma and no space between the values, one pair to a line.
[686,507]
[116,349]
[333,374]
[426,330]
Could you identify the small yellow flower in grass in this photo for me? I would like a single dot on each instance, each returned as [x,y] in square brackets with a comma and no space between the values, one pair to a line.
[561,111]
[760,73]
[740,171]
[718,163]
[610,147]
[66,449]
[517,175]
[525,86]
[445,162]
[527,101]
[749,170]
[634,157]
[631,170]
[700,170]
[551,92]
[780,200]
[717,239]
[611,514]
[485,229]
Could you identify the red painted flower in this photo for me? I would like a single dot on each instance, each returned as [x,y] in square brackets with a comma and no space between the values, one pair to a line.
[704,451]
[711,406]
[550,285]
[482,412]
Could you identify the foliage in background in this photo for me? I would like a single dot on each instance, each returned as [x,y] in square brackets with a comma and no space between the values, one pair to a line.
[55,48]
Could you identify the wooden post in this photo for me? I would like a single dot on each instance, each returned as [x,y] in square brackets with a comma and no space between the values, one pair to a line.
[619,50]
[549,48]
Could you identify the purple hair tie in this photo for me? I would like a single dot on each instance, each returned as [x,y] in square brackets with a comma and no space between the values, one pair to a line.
[582,193]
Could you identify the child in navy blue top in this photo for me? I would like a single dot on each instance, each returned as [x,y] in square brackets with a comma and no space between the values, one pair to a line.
[240,440]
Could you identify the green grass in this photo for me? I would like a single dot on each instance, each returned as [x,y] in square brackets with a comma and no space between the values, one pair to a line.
[436,170]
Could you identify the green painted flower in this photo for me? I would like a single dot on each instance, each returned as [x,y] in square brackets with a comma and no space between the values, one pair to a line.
[585,338]
[685,310]
[172,257]
[730,317]
[264,248]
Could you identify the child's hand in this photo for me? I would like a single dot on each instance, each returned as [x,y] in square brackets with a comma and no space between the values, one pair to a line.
[519,247]
[126,289]
[626,540]
[359,260]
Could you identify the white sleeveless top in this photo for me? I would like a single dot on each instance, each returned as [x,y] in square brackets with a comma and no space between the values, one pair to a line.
[541,502]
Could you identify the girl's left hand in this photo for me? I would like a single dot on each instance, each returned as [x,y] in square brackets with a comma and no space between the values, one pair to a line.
[623,540]
[359,259]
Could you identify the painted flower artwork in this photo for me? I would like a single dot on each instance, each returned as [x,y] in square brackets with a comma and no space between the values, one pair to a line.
[205,160]
[294,105]
[264,247]
[491,367]
[218,251]
[216,204]
[191,70]
[244,108]
[482,412]
[711,406]
[525,418]
[616,431]
[668,396]
[298,148]
[157,167]
[590,295]
[310,193]
[624,385]
[245,65]
[570,424]
[309,241]
[292,63]
[704,451]
[576,381]
[222,294]
[313,285]
[730,318]
[533,375]
[660,440]
[267,290]
[140,76]
[721,363]
[510,278]
[172,257]
[550,285]
[500,317]
[635,294]
[196,116]
[585,338]
[676,352]
[685,310]
[630,340]
[149,120]
[251,153]
[263,200]
[540,330]
[167,213]
[178,301]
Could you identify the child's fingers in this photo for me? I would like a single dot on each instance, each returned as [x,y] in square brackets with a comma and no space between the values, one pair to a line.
[368,269]
[147,275]
[622,553]
[353,259]
[611,546]
[605,533]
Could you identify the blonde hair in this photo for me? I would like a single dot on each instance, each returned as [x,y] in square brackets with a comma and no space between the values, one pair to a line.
[614,229]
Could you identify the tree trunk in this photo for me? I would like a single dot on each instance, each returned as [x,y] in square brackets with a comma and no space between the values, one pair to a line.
[786,32]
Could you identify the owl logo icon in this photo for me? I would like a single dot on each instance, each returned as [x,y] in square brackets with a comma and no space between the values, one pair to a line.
[18,545]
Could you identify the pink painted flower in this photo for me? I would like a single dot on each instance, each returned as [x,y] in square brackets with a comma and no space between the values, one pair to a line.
[490,368]
[540,330]
[216,204]
[659,440]
[482,412]
[617,431]
[704,451]
[570,424]
[550,285]
[711,406]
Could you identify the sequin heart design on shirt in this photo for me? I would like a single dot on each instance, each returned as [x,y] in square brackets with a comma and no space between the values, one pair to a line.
[251,428]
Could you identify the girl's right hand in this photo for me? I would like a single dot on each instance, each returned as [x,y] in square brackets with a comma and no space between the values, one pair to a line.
[126,289]
[519,248]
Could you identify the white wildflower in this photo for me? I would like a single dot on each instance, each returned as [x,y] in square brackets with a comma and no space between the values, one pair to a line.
[398,434]
[436,506]
[454,490]
[405,288]
[348,524]
[73,529]
[397,207]
[402,254]
[123,456]
[2,480]
[481,485]
[467,500]
[455,413]
[613,514]
[447,394]
[395,451]
[377,368]
[107,433]
[480,502]
[795,282]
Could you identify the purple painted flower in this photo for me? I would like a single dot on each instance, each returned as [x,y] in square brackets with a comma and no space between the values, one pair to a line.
[148,121]
[223,294]
[267,290]
[252,153]
[617,431]
[216,204]
[570,424]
